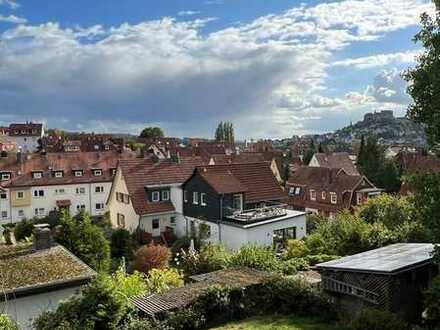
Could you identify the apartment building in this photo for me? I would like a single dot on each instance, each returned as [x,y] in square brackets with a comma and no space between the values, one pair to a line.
[26,135]
[34,185]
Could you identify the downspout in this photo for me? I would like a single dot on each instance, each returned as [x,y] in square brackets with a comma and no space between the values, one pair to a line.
[90,199]
[221,218]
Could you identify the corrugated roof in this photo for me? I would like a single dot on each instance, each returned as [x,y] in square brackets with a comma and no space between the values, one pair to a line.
[389,259]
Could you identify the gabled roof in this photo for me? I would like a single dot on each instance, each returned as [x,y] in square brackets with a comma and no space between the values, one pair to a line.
[337,160]
[141,172]
[256,179]
[245,157]
[25,270]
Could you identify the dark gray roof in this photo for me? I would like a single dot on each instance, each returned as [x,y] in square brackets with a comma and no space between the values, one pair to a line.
[387,260]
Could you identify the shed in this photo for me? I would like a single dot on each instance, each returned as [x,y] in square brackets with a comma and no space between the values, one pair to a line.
[391,278]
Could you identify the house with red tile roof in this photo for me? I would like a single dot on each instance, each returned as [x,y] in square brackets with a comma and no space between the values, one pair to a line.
[147,195]
[334,160]
[237,204]
[36,184]
[327,190]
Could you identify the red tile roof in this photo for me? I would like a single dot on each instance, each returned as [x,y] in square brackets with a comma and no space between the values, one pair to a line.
[337,160]
[139,173]
[256,178]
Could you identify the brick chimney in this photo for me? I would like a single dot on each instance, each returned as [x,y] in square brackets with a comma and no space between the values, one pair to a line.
[42,237]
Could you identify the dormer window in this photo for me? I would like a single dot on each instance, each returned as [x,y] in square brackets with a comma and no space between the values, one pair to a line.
[155,196]
[97,172]
[165,195]
[5,176]
[58,174]
[312,195]
[113,171]
[323,195]
[333,198]
[78,173]
[37,175]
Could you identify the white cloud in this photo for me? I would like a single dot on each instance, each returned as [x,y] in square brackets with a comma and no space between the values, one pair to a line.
[12,4]
[267,76]
[188,13]
[12,19]
[379,60]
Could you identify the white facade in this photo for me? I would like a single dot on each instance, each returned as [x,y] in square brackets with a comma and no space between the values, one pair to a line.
[40,200]
[23,310]
[262,233]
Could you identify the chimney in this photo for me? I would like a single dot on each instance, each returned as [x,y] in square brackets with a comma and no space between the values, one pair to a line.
[19,156]
[42,237]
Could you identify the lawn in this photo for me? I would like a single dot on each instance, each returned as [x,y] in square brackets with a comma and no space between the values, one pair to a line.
[291,322]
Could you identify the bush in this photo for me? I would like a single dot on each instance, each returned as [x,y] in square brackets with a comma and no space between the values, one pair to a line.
[291,266]
[129,285]
[296,249]
[432,299]
[183,243]
[318,258]
[373,319]
[151,256]
[210,258]
[23,229]
[161,280]
[122,244]
[6,323]
[257,257]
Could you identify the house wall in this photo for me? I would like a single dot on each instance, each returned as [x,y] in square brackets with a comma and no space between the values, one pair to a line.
[164,221]
[234,237]
[114,207]
[314,162]
[27,143]
[5,208]
[24,310]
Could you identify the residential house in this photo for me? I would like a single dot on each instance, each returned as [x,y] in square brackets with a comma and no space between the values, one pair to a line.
[85,142]
[334,160]
[238,204]
[391,278]
[27,136]
[147,195]
[7,145]
[328,190]
[36,277]
[34,185]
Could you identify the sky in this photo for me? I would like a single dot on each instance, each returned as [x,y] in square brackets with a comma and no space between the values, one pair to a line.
[274,68]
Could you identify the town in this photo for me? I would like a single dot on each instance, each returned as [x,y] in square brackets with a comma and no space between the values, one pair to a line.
[220,168]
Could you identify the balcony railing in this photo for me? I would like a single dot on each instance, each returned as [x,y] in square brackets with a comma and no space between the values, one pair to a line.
[258,214]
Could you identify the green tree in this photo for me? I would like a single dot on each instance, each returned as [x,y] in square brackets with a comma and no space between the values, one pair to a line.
[152,133]
[224,133]
[6,323]
[424,79]
[122,244]
[85,240]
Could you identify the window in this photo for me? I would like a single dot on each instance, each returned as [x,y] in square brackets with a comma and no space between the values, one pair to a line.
[123,198]
[58,174]
[40,212]
[323,195]
[155,224]
[333,198]
[3,195]
[21,213]
[359,198]
[203,199]
[38,193]
[20,194]
[97,172]
[81,190]
[280,236]
[80,207]
[113,171]
[155,196]
[60,191]
[5,176]
[312,195]
[4,214]
[37,175]
[185,196]
[173,221]
[120,220]
[237,202]
[195,197]
[297,190]
[99,189]
[79,173]
[99,206]
[165,195]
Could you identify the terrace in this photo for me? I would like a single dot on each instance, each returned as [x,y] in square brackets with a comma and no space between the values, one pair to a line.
[266,212]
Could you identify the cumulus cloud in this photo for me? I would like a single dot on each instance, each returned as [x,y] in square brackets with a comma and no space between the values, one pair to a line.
[12,19]
[380,60]
[10,3]
[168,72]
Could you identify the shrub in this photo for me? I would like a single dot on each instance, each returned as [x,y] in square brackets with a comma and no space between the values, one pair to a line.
[6,323]
[296,249]
[252,256]
[129,285]
[432,298]
[122,244]
[183,243]
[161,280]
[151,256]
[318,258]
[210,258]
[23,229]
[291,266]
[373,319]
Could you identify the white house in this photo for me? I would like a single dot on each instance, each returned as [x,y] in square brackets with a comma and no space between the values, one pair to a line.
[27,289]
[27,136]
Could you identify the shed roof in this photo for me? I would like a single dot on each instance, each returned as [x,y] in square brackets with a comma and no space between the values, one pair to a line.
[390,259]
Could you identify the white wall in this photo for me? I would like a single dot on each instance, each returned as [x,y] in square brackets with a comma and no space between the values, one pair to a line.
[314,162]
[234,237]
[27,143]
[23,310]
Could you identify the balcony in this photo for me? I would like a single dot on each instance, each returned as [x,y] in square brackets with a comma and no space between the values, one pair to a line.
[265,212]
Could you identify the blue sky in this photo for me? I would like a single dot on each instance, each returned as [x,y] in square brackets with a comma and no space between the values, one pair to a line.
[275,68]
